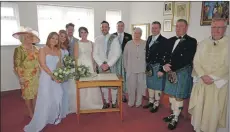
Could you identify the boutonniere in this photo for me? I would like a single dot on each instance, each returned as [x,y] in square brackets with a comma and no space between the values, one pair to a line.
[183,39]
[156,42]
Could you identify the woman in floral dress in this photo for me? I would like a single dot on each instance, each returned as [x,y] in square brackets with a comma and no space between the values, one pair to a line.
[27,67]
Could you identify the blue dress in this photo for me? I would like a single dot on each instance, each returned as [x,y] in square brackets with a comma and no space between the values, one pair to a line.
[65,86]
[49,100]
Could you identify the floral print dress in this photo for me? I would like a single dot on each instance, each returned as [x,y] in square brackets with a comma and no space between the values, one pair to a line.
[27,66]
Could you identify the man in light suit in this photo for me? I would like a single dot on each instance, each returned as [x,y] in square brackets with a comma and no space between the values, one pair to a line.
[72,40]
[106,53]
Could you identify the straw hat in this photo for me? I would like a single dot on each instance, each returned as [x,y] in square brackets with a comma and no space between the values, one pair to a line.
[27,30]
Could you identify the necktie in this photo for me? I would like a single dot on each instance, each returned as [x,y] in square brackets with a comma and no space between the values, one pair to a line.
[120,38]
[179,37]
[152,41]
[105,44]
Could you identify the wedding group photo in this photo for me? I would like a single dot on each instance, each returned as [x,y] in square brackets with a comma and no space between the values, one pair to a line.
[154,66]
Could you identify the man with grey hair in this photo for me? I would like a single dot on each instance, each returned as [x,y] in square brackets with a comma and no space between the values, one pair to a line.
[134,65]
[209,98]
[178,63]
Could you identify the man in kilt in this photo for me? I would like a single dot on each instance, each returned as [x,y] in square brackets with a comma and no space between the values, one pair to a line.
[154,57]
[178,64]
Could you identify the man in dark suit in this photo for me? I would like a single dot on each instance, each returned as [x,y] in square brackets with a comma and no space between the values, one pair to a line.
[123,39]
[178,64]
[154,57]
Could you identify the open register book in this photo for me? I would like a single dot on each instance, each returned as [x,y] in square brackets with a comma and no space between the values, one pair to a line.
[100,77]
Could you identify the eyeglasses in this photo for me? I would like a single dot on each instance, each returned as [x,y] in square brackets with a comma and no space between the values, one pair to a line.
[218,27]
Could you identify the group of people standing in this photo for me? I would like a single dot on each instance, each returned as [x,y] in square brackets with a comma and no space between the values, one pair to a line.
[177,66]
[182,69]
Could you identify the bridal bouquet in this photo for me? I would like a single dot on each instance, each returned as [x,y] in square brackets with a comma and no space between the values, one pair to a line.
[62,74]
[68,61]
[82,71]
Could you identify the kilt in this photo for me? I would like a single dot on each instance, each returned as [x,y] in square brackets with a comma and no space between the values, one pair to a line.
[183,87]
[154,82]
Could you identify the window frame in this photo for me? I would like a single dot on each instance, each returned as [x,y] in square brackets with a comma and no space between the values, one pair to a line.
[16,18]
[68,6]
[108,21]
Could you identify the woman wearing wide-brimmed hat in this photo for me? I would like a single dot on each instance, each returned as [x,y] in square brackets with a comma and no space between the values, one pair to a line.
[26,65]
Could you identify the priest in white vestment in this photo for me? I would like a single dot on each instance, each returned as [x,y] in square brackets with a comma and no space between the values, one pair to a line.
[209,98]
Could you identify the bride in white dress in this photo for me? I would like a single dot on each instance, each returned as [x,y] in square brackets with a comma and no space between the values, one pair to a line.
[90,98]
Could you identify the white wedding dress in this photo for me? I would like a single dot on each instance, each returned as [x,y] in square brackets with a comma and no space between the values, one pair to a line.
[91,98]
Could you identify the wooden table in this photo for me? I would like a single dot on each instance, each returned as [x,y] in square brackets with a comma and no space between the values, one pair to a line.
[97,83]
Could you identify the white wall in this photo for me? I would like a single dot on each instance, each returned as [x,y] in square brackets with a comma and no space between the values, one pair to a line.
[28,17]
[147,12]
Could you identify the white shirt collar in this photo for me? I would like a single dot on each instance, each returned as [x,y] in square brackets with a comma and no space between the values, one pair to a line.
[155,37]
[122,34]
[181,36]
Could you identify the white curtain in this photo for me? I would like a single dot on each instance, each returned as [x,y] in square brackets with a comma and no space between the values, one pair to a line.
[113,16]
[55,18]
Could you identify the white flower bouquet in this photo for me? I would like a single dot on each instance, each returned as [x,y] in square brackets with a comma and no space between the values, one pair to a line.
[82,71]
[69,61]
[62,74]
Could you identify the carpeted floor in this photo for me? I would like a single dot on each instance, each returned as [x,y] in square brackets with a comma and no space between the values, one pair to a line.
[13,119]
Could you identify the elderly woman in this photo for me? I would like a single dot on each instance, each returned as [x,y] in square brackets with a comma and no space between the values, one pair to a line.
[134,64]
[26,66]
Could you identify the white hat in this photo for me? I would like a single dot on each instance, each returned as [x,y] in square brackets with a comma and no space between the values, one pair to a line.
[27,30]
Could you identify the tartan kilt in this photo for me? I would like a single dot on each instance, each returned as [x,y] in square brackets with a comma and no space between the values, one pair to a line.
[183,87]
[154,82]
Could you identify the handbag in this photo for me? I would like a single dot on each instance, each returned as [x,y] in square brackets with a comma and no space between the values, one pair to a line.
[172,77]
[149,70]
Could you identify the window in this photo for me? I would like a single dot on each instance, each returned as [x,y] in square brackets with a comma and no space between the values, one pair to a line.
[113,16]
[54,18]
[9,23]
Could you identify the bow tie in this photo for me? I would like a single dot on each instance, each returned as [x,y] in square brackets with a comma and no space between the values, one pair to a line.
[179,37]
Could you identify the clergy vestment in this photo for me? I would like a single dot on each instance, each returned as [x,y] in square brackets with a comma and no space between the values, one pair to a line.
[107,50]
[208,103]
[134,64]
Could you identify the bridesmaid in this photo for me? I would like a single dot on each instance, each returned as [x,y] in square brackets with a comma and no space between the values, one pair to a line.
[49,100]
[64,43]
[26,66]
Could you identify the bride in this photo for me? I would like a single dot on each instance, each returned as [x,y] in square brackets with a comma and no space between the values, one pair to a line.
[90,98]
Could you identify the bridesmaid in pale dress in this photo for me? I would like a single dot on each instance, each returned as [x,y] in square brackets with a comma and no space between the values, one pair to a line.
[49,99]
[64,43]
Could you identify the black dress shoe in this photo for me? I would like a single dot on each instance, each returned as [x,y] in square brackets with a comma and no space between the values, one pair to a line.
[154,109]
[172,125]
[149,105]
[106,105]
[124,99]
[114,105]
[169,118]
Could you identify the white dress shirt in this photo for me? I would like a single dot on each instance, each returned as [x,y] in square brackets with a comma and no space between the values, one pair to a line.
[176,43]
[121,37]
[154,38]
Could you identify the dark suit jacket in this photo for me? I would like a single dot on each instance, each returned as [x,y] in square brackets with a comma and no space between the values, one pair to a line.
[127,37]
[182,55]
[155,53]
